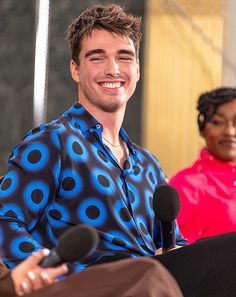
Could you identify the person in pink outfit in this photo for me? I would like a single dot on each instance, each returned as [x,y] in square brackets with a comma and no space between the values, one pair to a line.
[207,189]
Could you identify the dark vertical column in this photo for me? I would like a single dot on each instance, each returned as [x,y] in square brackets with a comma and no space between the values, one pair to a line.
[62,90]
[16,73]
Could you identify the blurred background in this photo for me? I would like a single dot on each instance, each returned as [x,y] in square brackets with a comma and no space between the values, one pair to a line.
[188,48]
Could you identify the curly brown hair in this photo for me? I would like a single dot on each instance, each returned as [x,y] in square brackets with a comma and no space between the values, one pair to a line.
[209,102]
[111,18]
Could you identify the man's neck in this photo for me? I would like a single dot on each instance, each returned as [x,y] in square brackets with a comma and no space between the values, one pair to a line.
[111,121]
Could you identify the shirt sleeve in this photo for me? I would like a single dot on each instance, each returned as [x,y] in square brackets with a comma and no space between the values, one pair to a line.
[27,189]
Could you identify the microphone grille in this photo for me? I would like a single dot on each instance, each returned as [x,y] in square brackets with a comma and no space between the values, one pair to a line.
[78,242]
[166,203]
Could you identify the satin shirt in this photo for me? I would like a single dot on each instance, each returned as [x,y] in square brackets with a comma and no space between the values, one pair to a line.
[207,192]
[62,174]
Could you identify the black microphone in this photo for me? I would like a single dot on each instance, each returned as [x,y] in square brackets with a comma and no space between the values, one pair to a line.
[166,205]
[76,243]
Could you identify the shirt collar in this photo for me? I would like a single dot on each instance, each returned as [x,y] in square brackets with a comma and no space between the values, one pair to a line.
[82,117]
[87,122]
[207,156]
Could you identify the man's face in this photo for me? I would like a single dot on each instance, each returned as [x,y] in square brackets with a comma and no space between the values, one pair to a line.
[220,132]
[108,71]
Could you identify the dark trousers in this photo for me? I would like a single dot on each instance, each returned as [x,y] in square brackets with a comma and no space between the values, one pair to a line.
[206,268]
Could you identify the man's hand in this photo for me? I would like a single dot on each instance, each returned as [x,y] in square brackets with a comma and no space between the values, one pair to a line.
[29,276]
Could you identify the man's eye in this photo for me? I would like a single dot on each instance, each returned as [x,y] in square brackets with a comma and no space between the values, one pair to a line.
[125,58]
[96,59]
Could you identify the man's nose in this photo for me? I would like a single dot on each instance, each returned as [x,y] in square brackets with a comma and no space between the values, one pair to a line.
[112,68]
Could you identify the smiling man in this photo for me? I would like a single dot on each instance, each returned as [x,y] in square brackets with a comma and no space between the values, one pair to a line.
[82,167]
[107,71]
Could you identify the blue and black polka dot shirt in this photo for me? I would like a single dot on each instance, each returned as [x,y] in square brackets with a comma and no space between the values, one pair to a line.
[61,174]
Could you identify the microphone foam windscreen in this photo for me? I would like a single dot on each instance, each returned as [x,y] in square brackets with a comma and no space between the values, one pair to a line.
[77,242]
[166,203]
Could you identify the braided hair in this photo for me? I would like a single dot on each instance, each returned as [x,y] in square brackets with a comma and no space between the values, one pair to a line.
[209,102]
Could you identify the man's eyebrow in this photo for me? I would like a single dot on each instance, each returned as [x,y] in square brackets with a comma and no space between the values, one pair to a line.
[93,52]
[101,51]
[128,52]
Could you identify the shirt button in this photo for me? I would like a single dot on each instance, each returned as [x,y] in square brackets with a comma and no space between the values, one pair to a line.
[126,164]
[98,126]
[235,183]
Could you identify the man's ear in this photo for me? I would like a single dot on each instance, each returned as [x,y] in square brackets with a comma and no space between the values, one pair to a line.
[74,70]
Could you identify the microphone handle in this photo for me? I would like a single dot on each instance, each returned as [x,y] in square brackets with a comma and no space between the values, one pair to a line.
[167,235]
[52,260]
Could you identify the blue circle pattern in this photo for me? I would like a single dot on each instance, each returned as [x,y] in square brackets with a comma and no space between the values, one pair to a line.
[140,220]
[77,111]
[100,220]
[15,208]
[41,163]
[14,183]
[36,185]
[137,178]
[70,173]
[153,173]
[95,154]
[69,147]
[15,247]
[58,127]
[127,224]
[64,213]
[136,194]
[96,172]
[147,194]
[113,247]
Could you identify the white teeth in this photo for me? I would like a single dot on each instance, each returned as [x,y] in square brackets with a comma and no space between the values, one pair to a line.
[111,85]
